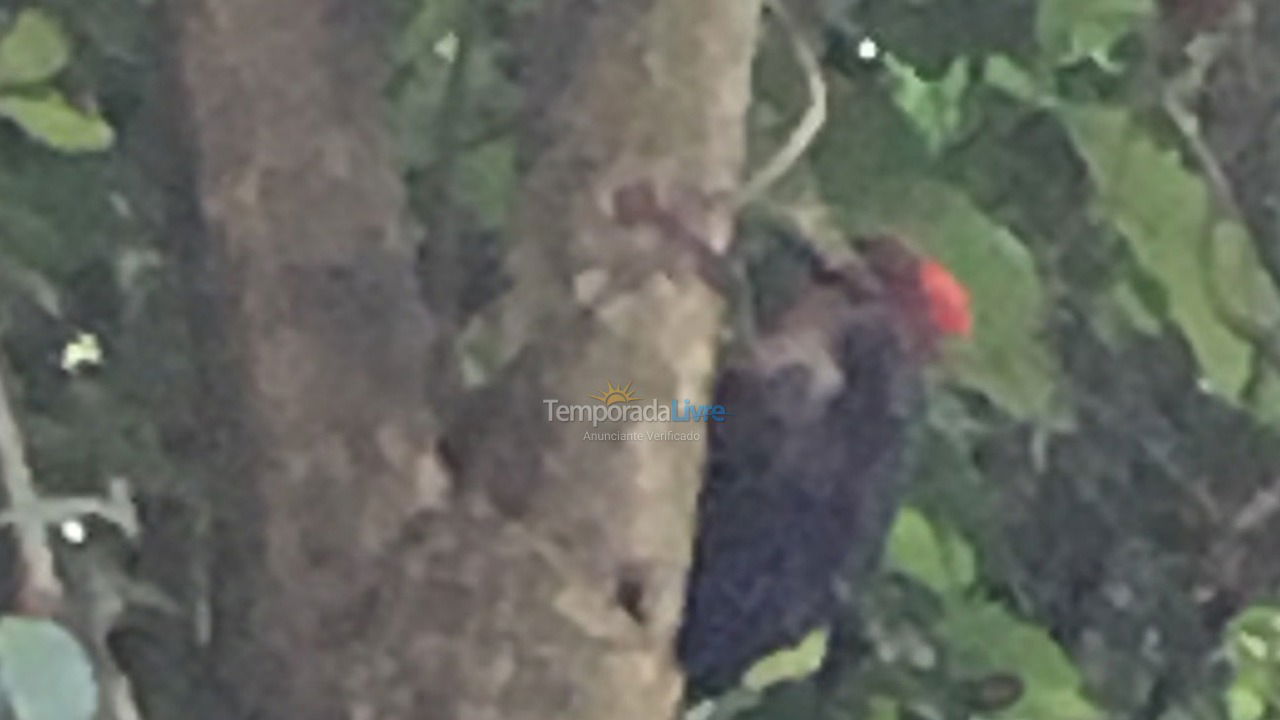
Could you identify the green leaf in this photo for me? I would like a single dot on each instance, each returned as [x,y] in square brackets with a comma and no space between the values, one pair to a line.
[1253,643]
[1162,210]
[868,139]
[487,179]
[791,663]
[45,672]
[1139,316]
[33,50]
[792,700]
[942,561]
[433,21]
[875,170]
[1245,704]
[1003,73]
[1073,30]
[1006,358]
[935,107]
[883,708]
[49,118]
[1265,399]
[1255,634]
[984,638]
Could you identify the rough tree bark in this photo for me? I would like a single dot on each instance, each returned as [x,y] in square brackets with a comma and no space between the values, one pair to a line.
[540,575]
[325,338]
[588,542]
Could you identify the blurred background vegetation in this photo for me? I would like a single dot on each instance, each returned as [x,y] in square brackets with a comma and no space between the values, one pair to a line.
[1097,493]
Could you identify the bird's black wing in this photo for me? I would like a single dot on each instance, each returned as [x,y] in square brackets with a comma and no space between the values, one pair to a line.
[801,485]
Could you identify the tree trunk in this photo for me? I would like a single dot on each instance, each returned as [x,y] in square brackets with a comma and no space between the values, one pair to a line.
[582,583]
[541,574]
[325,339]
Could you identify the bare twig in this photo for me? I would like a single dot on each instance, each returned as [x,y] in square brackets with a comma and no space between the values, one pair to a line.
[117,508]
[40,590]
[1262,507]
[815,116]
[40,582]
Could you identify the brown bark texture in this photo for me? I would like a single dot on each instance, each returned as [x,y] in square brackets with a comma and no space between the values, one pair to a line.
[536,574]
[324,338]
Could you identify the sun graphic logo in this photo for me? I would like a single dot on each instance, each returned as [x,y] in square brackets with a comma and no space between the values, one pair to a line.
[616,394]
